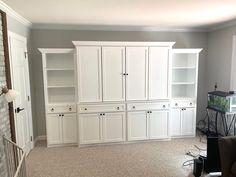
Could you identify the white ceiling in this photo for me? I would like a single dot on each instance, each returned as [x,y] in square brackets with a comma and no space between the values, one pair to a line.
[145,13]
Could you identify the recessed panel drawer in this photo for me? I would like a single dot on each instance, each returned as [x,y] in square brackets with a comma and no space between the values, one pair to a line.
[183,103]
[61,108]
[101,108]
[147,106]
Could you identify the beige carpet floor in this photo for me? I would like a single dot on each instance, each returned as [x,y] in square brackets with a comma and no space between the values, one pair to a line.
[148,159]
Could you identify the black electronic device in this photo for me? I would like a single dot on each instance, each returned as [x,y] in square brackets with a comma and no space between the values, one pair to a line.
[197,167]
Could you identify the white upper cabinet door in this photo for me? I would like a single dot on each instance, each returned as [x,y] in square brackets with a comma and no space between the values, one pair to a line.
[188,121]
[89,70]
[158,72]
[114,127]
[136,73]
[113,65]
[54,135]
[176,122]
[137,125]
[159,124]
[69,128]
[90,128]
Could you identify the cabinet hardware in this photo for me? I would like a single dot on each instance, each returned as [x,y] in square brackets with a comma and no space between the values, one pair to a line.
[133,107]
[124,74]
[103,114]
[52,110]
[176,104]
[191,104]
[164,106]
[85,109]
[70,109]
[17,110]
[118,108]
[150,111]
[100,114]
[59,115]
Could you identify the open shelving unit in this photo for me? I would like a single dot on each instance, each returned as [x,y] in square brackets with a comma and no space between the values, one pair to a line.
[59,75]
[184,73]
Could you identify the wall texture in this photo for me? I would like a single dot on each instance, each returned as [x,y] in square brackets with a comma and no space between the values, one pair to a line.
[219,59]
[62,38]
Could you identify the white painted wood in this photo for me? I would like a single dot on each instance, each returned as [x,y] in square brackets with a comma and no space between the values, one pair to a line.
[176,124]
[159,124]
[113,69]
[68,108]
[122,43]
[90,130]
[69,128]
[98,108]
[54,129]
[114,127]
[158,72]
[137,70]
[89,74]
[137,125]
[21,83]
[188,121]
[147,106]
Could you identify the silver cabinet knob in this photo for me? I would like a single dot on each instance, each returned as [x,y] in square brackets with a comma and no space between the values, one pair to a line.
[176,104]
[191,104]
[118,108]
[52,110]
[133,107]
[85,109]
[70,109]
[164,106]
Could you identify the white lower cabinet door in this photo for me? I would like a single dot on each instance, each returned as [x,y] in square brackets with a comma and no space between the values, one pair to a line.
[114,127]
[159,124]
[188,121]
[54,129]
[137,125]
[90,128]
[176,122]
[69,128]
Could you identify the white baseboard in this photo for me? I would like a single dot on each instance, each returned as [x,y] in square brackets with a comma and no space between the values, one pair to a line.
[39,138]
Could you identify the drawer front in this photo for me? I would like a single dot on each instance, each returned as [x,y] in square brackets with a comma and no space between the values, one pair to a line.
[147,106]
[101,108]
[61,108]
[183,103]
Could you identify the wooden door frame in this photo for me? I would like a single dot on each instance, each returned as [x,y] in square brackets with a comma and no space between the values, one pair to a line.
[8,72]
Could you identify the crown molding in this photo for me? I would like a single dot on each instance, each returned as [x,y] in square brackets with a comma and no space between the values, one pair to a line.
[12,13]
[113,28]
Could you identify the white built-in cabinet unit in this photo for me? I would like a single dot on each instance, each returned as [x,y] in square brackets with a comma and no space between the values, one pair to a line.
[59,73]
[184,91]
[127,91]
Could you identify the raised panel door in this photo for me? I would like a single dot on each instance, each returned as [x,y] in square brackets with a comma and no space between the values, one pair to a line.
[90,128]
[188,121]
[54,135]
[69,128]
[158,73]
[159,124]
[136,68]
[176,122]
[114,127]
[89,74]
[137,125]
[113,66]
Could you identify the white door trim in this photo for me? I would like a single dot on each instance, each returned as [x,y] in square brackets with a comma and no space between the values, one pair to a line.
[29,106]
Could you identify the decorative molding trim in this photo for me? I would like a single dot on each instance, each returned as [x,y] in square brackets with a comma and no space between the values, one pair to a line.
[114,28]
[39,138]
[12,13]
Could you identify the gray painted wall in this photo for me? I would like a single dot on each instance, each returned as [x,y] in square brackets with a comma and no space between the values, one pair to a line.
[220,43]
[62,38]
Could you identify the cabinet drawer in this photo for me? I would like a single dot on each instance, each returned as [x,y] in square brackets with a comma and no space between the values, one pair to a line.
[61,108]
[183,103]
[101,108]
[147,106]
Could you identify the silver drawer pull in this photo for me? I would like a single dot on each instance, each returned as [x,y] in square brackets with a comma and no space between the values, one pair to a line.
[70,109]
[176,104]
[118,108]
[85,109]
[164,106]
[191,104]
[133,107]
[52,110]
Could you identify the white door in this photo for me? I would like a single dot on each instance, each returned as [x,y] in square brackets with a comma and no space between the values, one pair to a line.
[158,72]
[188,121]
[21,83]
[54,135]
[137,125]
[89,74]
[159,124]
[136,68]
[114,127]
[90,128]
[176,122]
[113,66]
[69,128]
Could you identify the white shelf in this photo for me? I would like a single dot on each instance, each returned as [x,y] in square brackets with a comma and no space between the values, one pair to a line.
[187,67]
[60,69]
[183,83]
[61,86]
